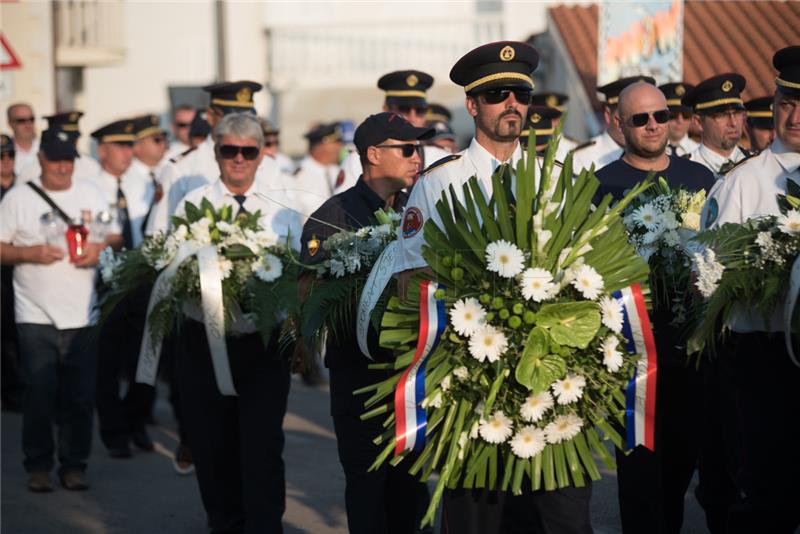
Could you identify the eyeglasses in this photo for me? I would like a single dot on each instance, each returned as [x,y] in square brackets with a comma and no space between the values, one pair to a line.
[495,96]
[408,149]
[408,110]
[732,114]
[637,120]
[23,120]
[673,115]
[231,151]
[182,124]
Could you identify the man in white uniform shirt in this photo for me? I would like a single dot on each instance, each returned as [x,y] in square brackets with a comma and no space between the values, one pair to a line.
[54,298]
[559,102]
[764,377]
[315,178]
[149,157]
[497,79]
[609,145]
[237,442]
[719,113]
[182,117]
[406,95]
[680,118]
[23,125]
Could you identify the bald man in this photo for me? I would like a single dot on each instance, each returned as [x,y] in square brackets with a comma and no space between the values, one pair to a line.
[652,485]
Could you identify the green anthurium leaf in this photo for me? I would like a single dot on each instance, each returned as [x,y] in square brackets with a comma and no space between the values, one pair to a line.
[536,347]
[573,324]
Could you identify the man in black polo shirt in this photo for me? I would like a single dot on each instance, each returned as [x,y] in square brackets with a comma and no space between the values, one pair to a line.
[382,501]
[652,484]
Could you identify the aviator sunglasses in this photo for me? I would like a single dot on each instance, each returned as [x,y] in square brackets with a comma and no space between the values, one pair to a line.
[495,96]
[641,119]
[231,151]
[408,149]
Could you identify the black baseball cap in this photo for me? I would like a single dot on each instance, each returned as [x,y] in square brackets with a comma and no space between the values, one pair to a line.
[58,145]
[382,126]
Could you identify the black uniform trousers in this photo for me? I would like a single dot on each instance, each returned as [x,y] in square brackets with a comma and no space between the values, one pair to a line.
[768,472]
[652,484]
[118,348]
[237,442]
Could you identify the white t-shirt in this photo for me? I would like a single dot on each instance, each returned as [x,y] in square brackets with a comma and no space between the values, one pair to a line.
[59,294]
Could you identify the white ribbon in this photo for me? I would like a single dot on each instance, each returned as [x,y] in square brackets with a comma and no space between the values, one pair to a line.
[788,308]
[378,277]
[213,316]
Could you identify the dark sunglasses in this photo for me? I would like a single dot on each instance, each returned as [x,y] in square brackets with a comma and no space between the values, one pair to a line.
[10,154]
[182,124]
[270,144]
[23,120]
[408,149]
[159,139]
[495,96]
[126,144]
[231,151]
[638,120]
[406,110]
[685,114]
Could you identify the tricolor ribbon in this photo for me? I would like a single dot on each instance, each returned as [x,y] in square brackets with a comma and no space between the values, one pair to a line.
[411,419]
[640,393]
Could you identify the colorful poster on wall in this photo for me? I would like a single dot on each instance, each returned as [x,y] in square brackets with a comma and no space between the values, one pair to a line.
[640,38]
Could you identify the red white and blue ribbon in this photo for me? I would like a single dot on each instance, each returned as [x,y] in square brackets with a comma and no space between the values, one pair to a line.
[640,393]
[411,419]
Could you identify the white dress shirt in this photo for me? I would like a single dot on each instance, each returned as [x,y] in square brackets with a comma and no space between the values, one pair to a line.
[714,161]
[138,188]
[25,158]
[601,151]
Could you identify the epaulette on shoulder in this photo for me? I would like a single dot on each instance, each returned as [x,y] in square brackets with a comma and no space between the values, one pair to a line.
[438,163]
[588,143]
[296,171]
[176,159]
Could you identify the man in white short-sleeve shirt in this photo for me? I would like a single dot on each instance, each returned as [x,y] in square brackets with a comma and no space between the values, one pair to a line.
[54,295]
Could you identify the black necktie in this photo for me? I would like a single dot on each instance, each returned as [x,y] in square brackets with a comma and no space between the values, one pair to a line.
[124,219]
[240,199]
[152,201]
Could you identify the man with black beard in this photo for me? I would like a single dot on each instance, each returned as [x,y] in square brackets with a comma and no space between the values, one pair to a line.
[652,484]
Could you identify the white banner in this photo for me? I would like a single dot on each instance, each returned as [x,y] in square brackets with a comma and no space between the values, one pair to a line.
[381,272]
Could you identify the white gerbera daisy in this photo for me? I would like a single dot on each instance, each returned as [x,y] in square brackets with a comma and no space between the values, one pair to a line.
[461,372]
[467,316]
[269,269]
[789,223]
[569,389]
[487,343]
[563,428]
[536,406]
[588,282]
[528,442]
[536,284]
[611,310]
[497,429]
[648,216]
[612,358]
[504,258]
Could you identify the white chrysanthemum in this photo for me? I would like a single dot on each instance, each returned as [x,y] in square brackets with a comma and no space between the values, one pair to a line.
[504,258]
[588,281]
[612,358]
[200,232]
[528,442]
[225,267]
[709,271]
[569,389]
[270,268]
[669,221]
[461,372]
[535,406]
[467,315]
[563,428]
[647,216]
[536,284]
[487,343]
[497,429]
[790,222]
[672,238]
[611,310]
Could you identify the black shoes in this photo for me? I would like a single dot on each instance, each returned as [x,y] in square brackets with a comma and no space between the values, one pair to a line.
[142,440]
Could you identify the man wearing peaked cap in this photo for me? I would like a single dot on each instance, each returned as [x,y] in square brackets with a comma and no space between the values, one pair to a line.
[559,102]
[497,80]
[406,93]
[760,124]
[315,178]
[438,113]
[719,114]
[67,122]
[439,118]
[608,146]
[149,154]
[680,118]
[198,167]
[384,500]
[272,147]
[540,122]
[762,375]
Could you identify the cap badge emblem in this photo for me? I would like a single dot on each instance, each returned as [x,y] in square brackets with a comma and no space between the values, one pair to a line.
[412,80]
[73,117]
[244,95]
[552,101]
[129,127]
[680,90]
[62,137]
[535,118]
[507,53]
[153,120]
[727,86]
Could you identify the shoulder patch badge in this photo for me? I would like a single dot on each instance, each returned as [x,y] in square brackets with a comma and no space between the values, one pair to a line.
[412,222]
[713,212]
[313,246]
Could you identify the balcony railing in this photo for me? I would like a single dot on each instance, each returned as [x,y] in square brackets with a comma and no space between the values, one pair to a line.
[89,33]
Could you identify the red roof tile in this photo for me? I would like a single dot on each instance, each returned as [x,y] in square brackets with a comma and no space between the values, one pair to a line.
[718,37]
